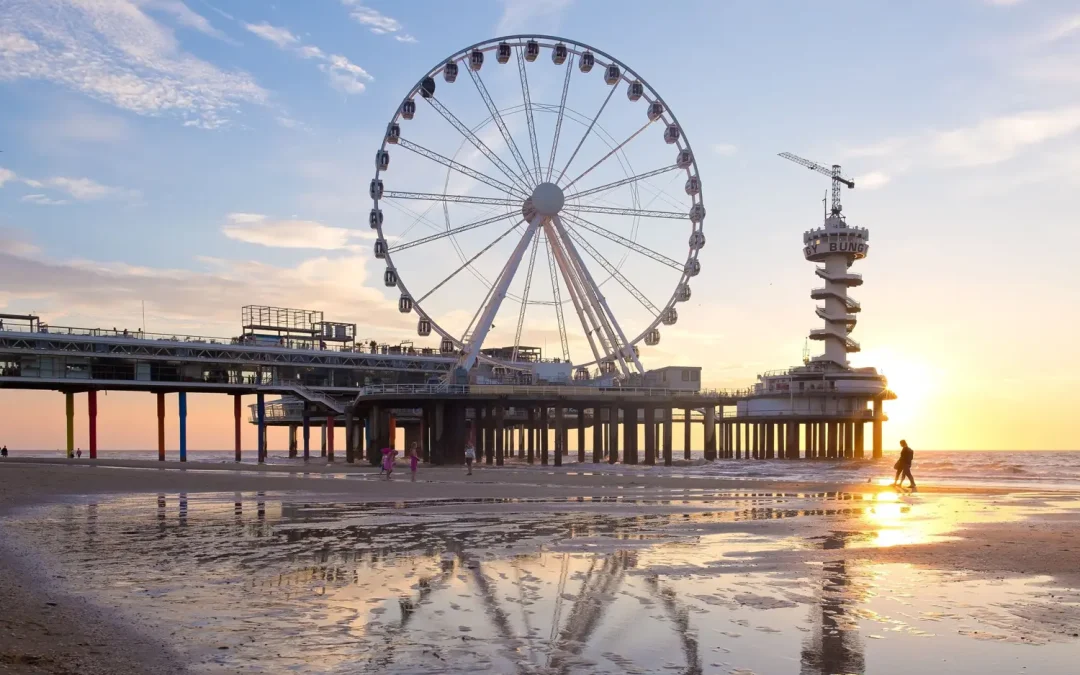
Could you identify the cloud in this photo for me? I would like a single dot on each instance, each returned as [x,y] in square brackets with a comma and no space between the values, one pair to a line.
[520,14]
[42,200]
[6,175]
[88,190]
[282,37]
[1066,27]
[116,53]
[205,302]
[1003,3]
[376,21]
[184,16]
[256,228]
[872,180]
[989,142]
[343,74]
[724,149]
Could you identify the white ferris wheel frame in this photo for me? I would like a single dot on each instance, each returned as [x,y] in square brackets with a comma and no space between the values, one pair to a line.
[465,345]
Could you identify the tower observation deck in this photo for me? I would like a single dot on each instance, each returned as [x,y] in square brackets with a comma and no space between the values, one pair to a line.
[836,246]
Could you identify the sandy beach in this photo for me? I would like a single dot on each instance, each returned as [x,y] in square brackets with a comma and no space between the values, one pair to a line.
[56,623]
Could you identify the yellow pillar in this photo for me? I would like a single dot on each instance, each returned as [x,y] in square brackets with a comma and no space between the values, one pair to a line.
[69,401]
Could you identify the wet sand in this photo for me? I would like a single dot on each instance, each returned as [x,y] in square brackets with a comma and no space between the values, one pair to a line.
[989,534]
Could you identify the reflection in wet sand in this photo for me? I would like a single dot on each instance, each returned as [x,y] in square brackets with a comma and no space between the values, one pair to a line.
[246,582]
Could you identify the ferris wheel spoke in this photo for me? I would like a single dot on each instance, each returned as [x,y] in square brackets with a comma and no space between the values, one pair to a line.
[528,110]
[613,271]
[557,295]
[525,297]
[620,183]
[456,166]
[455,199]
[480,87]
[623,241]
[469,262]
[586,134]
[616,335]
[478,144]
[559,119]
[586,315]
[610,153]
[478,328]
[451,232]
[610,210]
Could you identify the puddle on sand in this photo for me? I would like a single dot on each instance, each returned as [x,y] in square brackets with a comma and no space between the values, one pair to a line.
[246,583]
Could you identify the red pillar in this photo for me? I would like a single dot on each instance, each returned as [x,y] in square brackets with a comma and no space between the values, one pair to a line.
[330,438]
[237,419]
[161,426]
[91,408]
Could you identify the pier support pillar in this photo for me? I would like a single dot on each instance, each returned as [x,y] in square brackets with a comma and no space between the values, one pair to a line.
[770,440]
[500,435]
[630,436]
[260,418]
[530,439]
[161,426]
[350,434]
[560,434]
[322,440]
[183,426]
[710,433]
[737,432]
[821,447]
[437,453]
[294,447]
[878,418]
[686,433]
[808,440]
[306,434]
[544,435]
[832,440]
[412,437]
[669,414]
[849,440]
[613,435]
[581,434]
[489,434]
[650,436]
[238,421]
[597,435]
[91,413]
[330,438]
[69,411]
[860,449]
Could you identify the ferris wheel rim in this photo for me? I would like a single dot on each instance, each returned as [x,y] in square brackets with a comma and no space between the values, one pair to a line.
[682,143]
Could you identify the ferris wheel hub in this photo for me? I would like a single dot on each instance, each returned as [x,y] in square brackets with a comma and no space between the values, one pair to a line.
[547,199]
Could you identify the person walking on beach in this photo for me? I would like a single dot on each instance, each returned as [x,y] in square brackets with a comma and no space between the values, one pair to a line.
[388,461]
[414,460]
[903,466]
[78,453]
[3,451]
[470,455]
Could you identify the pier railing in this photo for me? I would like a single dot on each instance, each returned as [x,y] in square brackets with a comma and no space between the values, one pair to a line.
[541,391]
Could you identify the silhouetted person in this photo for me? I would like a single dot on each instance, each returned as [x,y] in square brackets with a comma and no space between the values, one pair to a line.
[903,466]
[78,453]
[3,451]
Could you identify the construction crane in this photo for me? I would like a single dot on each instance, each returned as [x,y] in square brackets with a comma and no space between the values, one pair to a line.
[833,173]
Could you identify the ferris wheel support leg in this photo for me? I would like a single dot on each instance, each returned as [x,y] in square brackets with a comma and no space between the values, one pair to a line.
[595,290]
[483,325]
[584,311]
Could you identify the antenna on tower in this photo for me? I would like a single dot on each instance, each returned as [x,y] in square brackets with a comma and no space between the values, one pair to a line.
[833,173]
[806,352]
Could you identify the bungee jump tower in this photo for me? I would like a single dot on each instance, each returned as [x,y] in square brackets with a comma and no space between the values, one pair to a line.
[824,404]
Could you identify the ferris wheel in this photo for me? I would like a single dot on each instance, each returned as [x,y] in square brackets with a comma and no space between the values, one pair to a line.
[532,182]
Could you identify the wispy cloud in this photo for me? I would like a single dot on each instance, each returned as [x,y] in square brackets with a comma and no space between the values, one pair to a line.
[6,175]
[724,149]
[42,200]
[85,189]
[376,21]
[991,141]
[1063,28]
[520,14]
[184,16]
[115,52]
[873,180]
[256,228]
[344,75]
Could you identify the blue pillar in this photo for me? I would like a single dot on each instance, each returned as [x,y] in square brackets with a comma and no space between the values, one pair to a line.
[261,408]
[307,435]
[183,426]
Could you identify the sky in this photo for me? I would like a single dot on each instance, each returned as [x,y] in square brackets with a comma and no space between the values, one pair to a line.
[200,155]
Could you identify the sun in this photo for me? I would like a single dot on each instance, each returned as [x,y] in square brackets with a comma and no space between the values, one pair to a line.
[912,378]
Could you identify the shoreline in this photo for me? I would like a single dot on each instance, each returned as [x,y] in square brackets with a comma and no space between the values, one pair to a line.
[78,636]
